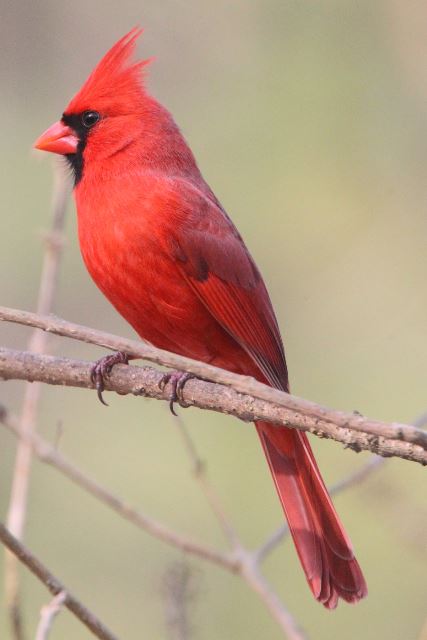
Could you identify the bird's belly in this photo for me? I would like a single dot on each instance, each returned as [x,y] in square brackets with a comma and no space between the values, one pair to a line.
[148,290]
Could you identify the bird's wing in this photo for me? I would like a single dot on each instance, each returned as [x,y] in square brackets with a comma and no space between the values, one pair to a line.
[214,260]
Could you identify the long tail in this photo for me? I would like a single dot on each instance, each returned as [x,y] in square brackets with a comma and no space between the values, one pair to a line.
[323,547]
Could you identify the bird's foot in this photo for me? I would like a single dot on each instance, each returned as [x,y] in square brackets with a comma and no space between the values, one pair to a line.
[177,380]
[102,370]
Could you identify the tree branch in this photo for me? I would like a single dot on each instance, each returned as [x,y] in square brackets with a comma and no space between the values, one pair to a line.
[248,400]
[178,591]
[48,613]
[249,563]
[37,343]
[200,476]
[54,585]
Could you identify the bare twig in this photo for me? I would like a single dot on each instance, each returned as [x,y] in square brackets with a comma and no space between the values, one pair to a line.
[199,472]
[48,613]
[300,410]
[54,585]
[258,583]
[249,560]
[178,591]
[281,409]
[37,344]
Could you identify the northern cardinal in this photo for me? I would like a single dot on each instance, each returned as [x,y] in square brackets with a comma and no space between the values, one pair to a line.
[162,249]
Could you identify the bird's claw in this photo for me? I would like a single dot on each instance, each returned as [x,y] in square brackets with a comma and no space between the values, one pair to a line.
[102,370]
[177,380]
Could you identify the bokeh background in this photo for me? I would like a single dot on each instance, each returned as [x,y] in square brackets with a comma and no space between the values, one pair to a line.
[309,120]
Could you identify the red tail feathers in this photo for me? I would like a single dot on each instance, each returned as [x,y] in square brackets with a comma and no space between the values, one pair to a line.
[323,547]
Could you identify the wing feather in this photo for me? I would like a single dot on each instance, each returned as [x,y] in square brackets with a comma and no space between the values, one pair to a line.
[216,263]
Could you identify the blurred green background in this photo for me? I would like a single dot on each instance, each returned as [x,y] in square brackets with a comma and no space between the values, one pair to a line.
[309,121]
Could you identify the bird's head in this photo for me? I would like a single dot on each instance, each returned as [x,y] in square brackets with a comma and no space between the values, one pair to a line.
[103,116]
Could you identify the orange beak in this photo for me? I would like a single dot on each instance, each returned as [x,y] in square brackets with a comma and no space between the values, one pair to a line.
[58,139]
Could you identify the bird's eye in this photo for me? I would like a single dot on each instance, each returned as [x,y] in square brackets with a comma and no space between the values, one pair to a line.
[89,118]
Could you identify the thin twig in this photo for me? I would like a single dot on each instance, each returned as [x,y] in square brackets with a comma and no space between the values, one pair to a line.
[48,613]
[252,575]
[199,472]
[358,433]
[249,569]
[54,585]
[37,344]
[178,591]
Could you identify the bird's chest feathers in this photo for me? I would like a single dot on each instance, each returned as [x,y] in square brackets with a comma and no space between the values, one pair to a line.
[127,257]
[118,248]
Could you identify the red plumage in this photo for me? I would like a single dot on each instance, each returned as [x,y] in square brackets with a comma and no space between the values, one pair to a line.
[164,252]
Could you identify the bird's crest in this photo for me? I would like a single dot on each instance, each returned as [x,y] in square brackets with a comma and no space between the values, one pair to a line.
[115,85]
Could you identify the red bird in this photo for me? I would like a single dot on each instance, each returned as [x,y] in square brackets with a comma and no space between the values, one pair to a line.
[162,249]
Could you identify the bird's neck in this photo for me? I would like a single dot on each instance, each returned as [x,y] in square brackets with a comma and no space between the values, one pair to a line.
[150,142]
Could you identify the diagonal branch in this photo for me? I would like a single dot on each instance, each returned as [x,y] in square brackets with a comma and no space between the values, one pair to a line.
[37,344]
[54,585]
[249,566]
[302,409]
[199,472]
[48,613]
[354,431]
